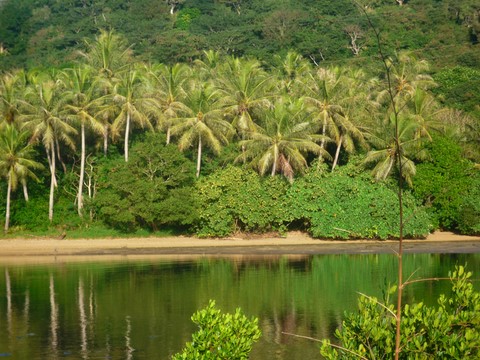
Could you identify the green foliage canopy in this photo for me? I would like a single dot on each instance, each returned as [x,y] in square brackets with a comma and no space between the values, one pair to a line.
[153,189]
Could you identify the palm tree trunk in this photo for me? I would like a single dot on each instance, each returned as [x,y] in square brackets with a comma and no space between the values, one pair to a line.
[52,183]
[25,190]
[127,130]
[199,155]
[49,158]
[82,170]
[105,139]
[322,143]
[337,153]
[64,167]
[275,160]
[168,135]
[7,210]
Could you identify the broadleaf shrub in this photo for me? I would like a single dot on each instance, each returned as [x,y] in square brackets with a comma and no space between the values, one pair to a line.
[236,199]
[221,336]
[154,189]
[444,185]
[450,330]
[344,206]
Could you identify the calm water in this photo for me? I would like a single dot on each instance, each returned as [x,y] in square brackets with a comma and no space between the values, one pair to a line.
[141,310]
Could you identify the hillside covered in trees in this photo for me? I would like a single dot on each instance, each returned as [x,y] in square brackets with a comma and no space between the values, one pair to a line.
[220,116]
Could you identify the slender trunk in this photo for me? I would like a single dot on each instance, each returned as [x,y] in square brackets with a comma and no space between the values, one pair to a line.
[168,135]
[275,160]
[337,153]
[172,9]
[199,155]
[105,139]
[7,210]
[64,167]
[82,170]
[399,157]
[127,130]
[49,158]
[322,143]
[52,183]
[25,190]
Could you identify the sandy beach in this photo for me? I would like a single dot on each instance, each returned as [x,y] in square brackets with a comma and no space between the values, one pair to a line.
[294,243]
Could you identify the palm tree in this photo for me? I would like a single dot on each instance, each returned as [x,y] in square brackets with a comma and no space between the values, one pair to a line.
[82,105]
[16,162]
[132,107]
[42,114]
[110,55]
[425,111]
[385,151]
[282,140]
[202,123]
[407,73]
[245,87]
[349,128]
[207,68]
[166,85]
[347,134]
[325,93]
[289,69]
[11,86]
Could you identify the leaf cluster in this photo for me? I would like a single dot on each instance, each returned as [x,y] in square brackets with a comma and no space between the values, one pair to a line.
[450,330]
[221,336]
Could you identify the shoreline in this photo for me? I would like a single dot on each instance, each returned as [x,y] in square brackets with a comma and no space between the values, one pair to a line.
[294,243]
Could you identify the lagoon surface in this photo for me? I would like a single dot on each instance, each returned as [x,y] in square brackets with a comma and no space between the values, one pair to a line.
[142,309]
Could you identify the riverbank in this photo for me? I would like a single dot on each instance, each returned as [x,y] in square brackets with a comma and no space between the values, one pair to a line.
[294,243]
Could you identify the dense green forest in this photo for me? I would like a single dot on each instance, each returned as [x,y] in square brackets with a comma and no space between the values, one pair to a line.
[213,117]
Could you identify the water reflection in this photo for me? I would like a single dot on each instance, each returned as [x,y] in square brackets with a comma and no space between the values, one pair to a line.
[53,320]
[128,346]
[8,288]
[142,310]
[83,320]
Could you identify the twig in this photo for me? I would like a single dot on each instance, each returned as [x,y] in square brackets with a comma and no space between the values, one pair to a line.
[332,345]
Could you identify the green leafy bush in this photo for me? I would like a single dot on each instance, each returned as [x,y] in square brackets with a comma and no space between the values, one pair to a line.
[221,336]
[449,331]
[444,182]
[340,205]
[236,199]
[154,189]
[469,213]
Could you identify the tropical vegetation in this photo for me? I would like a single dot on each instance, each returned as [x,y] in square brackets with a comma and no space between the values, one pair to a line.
[449,330]
[280,140]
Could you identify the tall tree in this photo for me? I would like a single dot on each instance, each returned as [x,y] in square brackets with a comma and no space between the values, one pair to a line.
[133,108]
[202,123]
[325,91]
[16,162]
[81,108]
[110,55]
[385,150]
[166,84]
[245,88]
[11,86]
[42,113]
[282,141]
[289,69]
